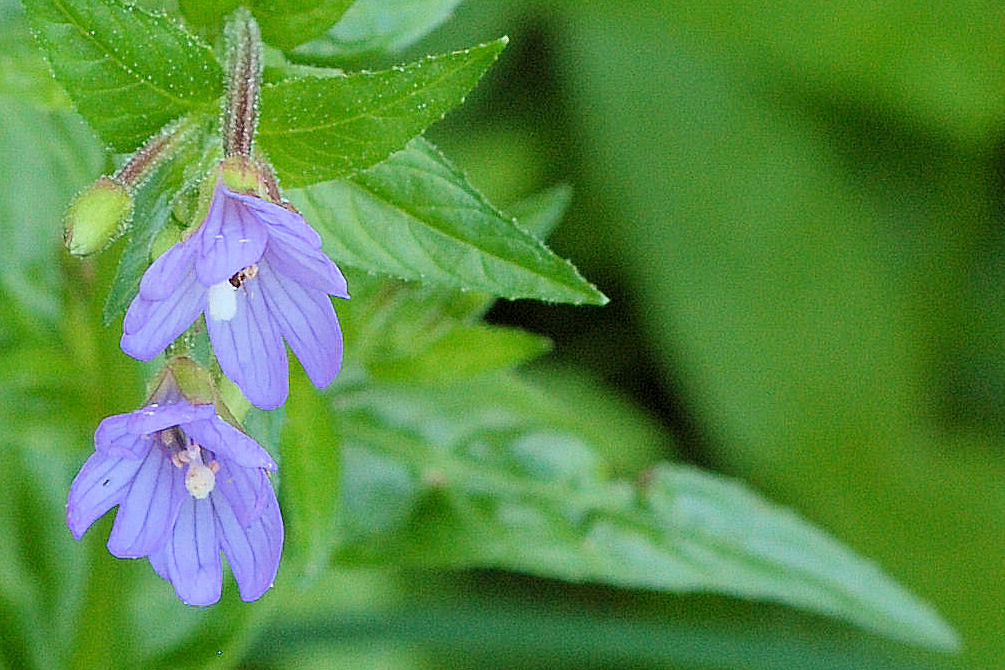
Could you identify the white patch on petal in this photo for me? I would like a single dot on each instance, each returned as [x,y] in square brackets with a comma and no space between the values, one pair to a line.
[222,303]
[199,480]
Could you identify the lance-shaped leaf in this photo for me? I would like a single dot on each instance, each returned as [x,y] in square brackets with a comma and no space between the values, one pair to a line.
[492,474]
[129,72]
[415,216]
[375,27]
[320,128]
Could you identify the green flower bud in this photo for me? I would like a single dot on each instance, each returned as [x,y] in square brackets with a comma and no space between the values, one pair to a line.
[97,217]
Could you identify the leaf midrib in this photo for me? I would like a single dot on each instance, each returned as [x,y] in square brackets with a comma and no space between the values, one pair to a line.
[847,603]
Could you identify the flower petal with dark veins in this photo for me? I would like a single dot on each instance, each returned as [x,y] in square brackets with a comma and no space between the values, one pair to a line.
[307,320]
[250,349]
[149,509]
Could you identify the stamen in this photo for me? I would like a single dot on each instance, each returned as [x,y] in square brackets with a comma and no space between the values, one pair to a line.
[199,479]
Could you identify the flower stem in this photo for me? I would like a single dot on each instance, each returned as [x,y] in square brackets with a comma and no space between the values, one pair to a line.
[156,149]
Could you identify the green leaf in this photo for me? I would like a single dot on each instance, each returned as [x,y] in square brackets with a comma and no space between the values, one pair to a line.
[310,477]
[47,156]
[807,325]
[416,217]
[207,14]
[320,128]
[24,74]
[129,72]
[372,27]
[464,352]
[928,62]
[287,23]
[498,485]
[541,626]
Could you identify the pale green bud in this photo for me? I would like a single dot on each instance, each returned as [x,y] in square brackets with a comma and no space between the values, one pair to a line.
[97,217]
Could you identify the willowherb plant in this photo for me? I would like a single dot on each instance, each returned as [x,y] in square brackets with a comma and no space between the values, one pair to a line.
[246,171]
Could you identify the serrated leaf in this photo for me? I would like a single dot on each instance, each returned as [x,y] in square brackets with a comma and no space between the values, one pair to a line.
[287,23]
[416,217]
[501,486]
[464,352]
[371,27]
[129,72]
[320,128]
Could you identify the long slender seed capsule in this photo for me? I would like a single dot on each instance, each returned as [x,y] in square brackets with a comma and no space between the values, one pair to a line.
[244,81]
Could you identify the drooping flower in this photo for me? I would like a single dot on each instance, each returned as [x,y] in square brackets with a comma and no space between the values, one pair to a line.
[188,485]
[257,271]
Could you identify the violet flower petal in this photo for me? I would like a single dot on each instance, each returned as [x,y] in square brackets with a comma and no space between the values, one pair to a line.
[162,276]
[307,320]
[250,349]
[148,512]
[99,486]
[310,267]
[190,559]
[150,326]
[228,442]
[231,238]
[252,551]
[247,491]
[278,218]
[157,417]
[114,438]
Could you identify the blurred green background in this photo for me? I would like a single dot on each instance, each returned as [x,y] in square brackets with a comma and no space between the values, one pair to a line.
[797,209]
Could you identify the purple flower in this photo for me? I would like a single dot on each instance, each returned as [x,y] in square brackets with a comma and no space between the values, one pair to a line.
[187,484]
[257,271]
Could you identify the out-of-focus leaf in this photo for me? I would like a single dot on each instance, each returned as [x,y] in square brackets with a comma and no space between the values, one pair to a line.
[541,212]
[802,270]
[465,352]
[41,570]
[310,484]
[24,74]
[320,128]
[128,71]
[416,217]
[500,487]
[371,27]
[45,156]
[497,631]
[942,64]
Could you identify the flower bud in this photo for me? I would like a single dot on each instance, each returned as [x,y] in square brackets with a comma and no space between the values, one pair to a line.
[97,217]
